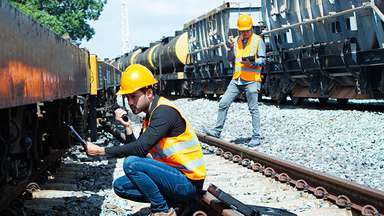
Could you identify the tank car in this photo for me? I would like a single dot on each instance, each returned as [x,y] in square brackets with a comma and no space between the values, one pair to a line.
[326,49]
[166,58]
[129,58]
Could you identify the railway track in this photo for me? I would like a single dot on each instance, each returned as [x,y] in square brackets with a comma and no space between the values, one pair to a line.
[353,198]
[83,186]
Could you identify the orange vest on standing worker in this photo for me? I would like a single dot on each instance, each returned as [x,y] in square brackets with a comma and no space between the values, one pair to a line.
[247,72]
[183,151]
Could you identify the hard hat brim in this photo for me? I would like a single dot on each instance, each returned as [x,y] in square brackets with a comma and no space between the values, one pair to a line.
[244,28]
[122,92]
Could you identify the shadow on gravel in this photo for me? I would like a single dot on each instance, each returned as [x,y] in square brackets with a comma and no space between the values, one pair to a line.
[76,188]
[331,105]
[85,205]
[87,177]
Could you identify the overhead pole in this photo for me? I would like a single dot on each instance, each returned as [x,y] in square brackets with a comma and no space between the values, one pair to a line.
[124,26]
[124,32]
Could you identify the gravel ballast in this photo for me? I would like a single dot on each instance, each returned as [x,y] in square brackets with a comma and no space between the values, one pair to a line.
[344,143]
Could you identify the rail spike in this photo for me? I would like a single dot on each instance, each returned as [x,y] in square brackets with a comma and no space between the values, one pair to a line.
[343,201]
[219,152]
[369,210]
[269,171]
[257,167]
[301,184]
[236,159]
[228,155]
[320,192]
[283,178]
[245,162]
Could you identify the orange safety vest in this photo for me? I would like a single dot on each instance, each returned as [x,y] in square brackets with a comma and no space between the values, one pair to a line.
[183,151]
[247,72]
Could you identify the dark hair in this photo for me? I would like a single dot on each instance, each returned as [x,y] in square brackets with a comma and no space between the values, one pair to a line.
[144,89]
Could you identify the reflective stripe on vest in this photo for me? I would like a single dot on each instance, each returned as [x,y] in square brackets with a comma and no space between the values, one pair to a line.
[247,72]
[183,151]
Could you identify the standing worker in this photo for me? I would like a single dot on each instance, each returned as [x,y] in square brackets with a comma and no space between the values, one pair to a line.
[249,52]
[175,171]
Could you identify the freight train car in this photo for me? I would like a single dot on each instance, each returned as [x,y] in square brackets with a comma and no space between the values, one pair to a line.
[326,49]
[44,81]
[195,61]
[166,58]
[209,36]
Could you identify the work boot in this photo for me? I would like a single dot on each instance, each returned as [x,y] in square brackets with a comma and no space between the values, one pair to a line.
[211,132]
[171,212]
[255,141]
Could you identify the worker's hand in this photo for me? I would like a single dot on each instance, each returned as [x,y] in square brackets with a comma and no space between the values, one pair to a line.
[94,150]
[231,41]
[231,45]
[127,124]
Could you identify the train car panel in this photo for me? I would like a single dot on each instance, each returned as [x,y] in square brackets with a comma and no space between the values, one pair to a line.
[318,49]
[94,74]
[324,49]
[34,62]
[209,39]
[209,36]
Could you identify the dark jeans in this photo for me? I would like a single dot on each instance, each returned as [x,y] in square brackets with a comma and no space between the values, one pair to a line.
[148,180]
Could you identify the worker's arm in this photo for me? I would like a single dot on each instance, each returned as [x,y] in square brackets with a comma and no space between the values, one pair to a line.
[165,121]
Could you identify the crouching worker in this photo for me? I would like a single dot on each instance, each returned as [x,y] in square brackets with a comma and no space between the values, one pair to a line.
[175,171]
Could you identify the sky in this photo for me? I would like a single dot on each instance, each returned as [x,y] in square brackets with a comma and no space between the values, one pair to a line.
[148,21]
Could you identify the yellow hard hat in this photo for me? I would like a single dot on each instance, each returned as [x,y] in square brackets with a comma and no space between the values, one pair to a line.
[244,22]
[135,77]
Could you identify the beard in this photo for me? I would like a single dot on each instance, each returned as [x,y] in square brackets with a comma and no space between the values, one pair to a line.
[134,109]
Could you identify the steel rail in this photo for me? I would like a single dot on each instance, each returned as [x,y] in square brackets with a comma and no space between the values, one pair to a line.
[343,193]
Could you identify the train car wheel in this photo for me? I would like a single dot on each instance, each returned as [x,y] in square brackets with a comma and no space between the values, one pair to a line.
[297,100]
[342,101]
[323,100]
[280,99]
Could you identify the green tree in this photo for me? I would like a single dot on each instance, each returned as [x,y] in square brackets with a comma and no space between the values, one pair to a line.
[64,17]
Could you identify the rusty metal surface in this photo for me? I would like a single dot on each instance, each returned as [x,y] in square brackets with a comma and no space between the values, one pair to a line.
[35,64]
[342,192]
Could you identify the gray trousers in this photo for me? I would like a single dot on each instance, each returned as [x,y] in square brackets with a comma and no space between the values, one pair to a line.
[233,90]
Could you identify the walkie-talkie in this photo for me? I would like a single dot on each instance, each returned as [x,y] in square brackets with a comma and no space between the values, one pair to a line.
[77,135]
[125,117]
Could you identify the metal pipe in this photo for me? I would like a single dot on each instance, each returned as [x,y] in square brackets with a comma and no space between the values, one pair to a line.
[378,11]
[318,19]
[208,48]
